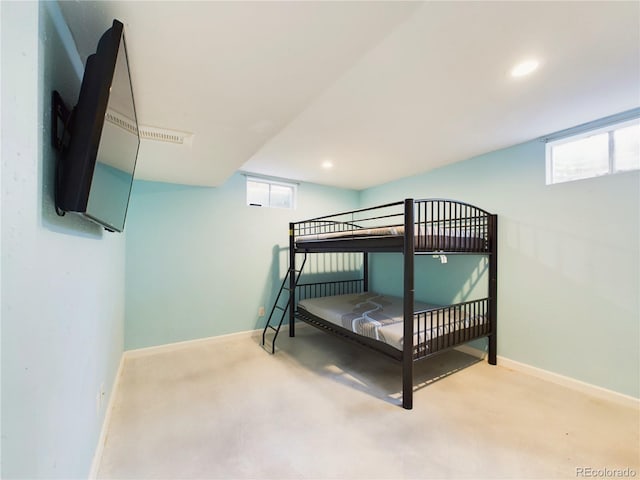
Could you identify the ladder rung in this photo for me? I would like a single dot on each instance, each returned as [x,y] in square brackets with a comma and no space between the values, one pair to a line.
[272,328]
[280,308]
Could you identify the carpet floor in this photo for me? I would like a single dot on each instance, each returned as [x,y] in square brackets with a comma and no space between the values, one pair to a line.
[322,408]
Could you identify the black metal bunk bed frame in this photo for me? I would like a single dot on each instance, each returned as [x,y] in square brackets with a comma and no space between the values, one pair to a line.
[430,226]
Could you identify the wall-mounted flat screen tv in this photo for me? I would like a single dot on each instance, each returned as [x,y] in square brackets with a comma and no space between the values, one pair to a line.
[96,166]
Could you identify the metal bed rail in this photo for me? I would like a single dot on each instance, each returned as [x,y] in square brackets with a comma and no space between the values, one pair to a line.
[327,289]
[438,225]
[444,328]
[452,226]
[374,217]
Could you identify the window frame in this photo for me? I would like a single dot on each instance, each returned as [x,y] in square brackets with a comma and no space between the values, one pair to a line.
[271,182]
[609,129]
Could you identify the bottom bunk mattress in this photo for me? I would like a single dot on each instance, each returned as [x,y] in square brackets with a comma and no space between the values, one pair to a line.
[380,317]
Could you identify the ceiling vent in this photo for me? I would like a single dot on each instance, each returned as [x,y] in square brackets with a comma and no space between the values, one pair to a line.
[148,133]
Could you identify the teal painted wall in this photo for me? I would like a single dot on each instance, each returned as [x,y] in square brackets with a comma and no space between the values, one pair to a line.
[200,262]
[569,262]
[62,278]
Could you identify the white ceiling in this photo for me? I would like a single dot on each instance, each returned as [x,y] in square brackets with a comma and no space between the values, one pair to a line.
[276,88]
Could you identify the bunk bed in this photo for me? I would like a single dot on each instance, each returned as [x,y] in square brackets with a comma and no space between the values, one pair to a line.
[401,328]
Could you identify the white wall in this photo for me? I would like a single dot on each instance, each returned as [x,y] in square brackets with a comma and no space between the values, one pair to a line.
[62,278]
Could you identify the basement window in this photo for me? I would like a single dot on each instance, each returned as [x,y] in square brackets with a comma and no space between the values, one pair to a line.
[262,192]
[603,151]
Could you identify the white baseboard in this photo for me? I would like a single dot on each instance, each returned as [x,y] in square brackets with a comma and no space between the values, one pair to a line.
[170,347]
[97,456]
[574,384]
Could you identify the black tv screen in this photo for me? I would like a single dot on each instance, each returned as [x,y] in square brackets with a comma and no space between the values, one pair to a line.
[95,172]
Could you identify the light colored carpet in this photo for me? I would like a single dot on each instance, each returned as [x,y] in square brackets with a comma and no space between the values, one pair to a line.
[323,408]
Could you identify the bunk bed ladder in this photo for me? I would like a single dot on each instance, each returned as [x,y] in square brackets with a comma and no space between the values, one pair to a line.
[286,285]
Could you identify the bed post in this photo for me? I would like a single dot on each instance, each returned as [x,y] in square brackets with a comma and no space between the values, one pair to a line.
[292,282]
[365,272]
[407,342]
[493,288]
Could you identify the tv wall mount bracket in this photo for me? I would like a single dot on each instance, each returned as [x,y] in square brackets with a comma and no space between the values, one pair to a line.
[61,116]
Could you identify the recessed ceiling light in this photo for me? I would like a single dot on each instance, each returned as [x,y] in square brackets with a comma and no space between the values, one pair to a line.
[524,68]
[327,164]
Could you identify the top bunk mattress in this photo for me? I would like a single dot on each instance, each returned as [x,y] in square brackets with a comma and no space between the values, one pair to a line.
[426,237]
